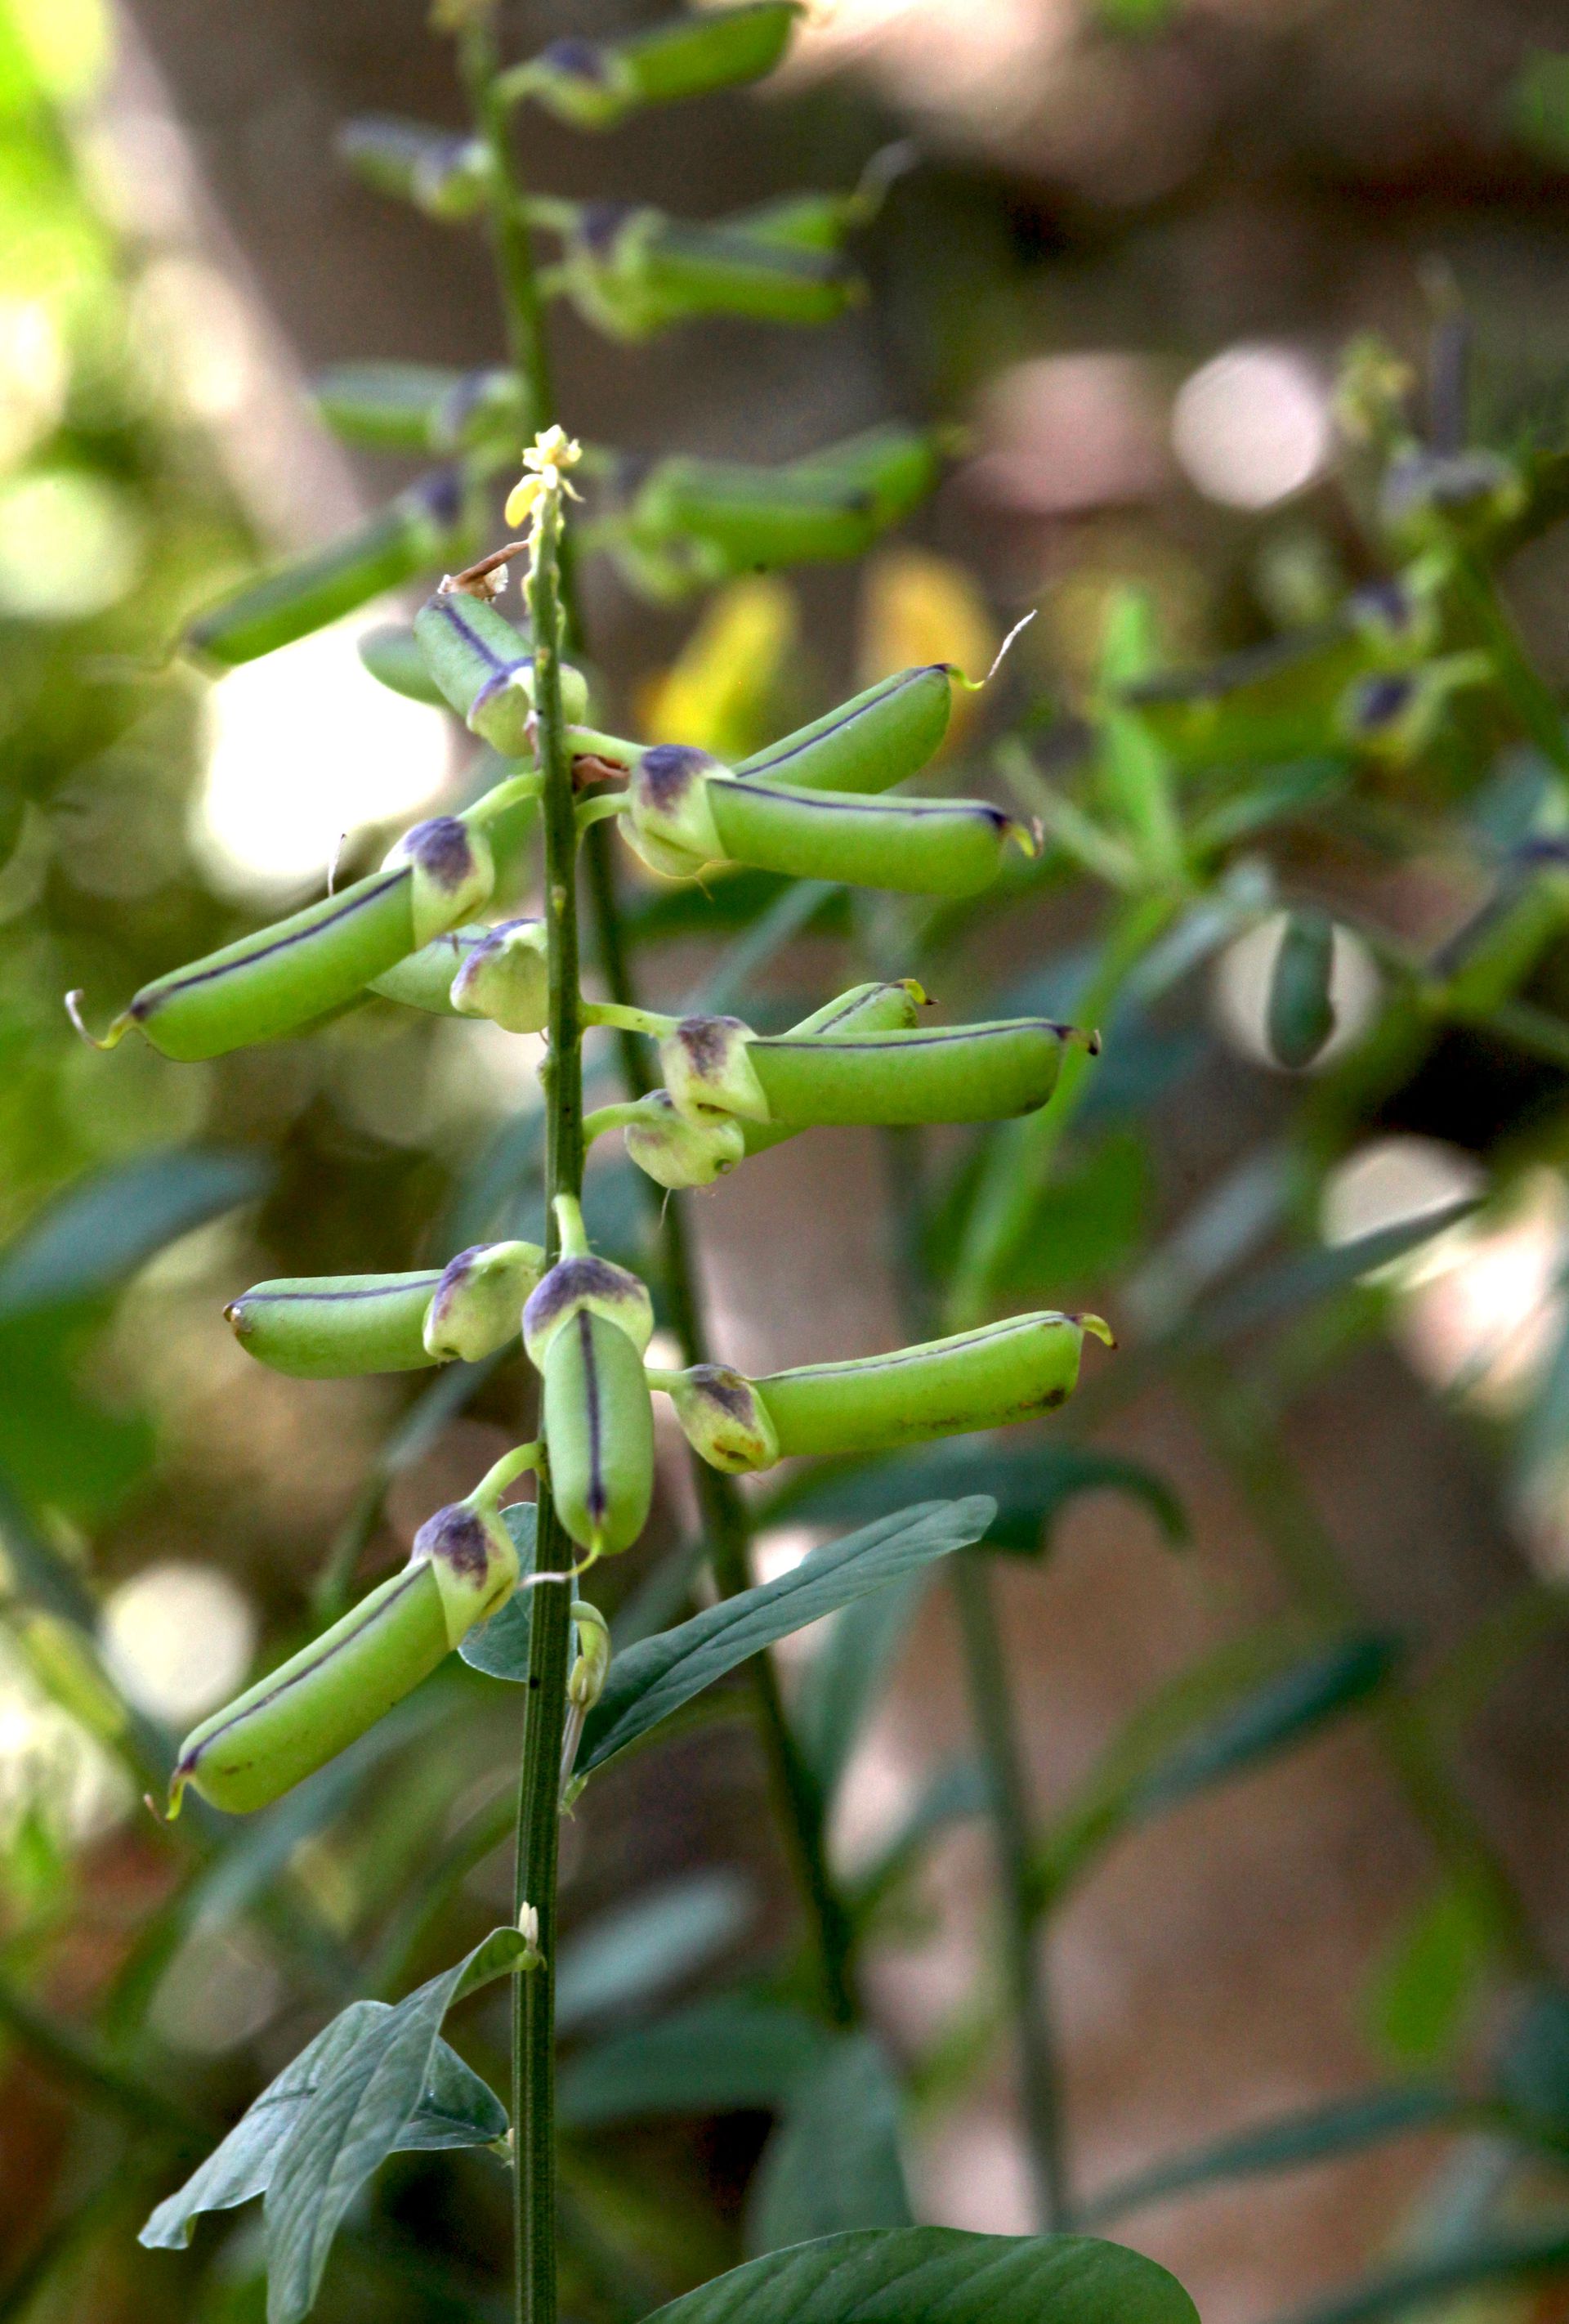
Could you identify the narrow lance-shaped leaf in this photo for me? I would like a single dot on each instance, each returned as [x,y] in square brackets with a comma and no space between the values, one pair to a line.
[713,2058]
[833,2164]
[102,1228]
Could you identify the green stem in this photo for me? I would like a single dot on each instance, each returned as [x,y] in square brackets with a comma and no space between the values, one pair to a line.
[539,1787]
[1008,1803]
[1534,702]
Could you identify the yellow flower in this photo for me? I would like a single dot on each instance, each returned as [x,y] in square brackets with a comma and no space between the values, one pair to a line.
[551,452]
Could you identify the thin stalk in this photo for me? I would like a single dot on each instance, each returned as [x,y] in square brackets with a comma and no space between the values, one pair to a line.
[1012,1822]
[724,1511]
[538,1786]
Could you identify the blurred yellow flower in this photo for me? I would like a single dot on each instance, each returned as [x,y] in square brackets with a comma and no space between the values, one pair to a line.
[716,693]
[919,607]
[544,461]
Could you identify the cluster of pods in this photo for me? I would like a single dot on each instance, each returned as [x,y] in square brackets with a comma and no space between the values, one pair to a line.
[816,804]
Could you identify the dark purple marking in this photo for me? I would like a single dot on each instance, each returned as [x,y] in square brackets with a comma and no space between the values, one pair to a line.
[1381,700]
[707,1042]
[441,495]
[571,1281]
[576,60]
[717,1384]
[390,1288]
[455,1537]
[663,775]
[443,850]
[449,604]
[599,224]
[598,1499]
[904,811]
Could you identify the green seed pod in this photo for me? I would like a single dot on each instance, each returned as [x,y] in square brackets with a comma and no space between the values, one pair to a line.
[1300,1017]
[1432,497]
[421,528]
[1397,714]
[598,1426]
[808,221]
[293,1721]
[425,980]
[392,654]
[678,1153]
[336,1326]
[485,670]
[631,271]
[581,1284]
[586,1681]
[959,1073]
[478,1305]
[897,466]
[506,977]
[419,407]
[868,743]
[595,85]
[320,959]
[444,176]
[1004,1372]
[685,810]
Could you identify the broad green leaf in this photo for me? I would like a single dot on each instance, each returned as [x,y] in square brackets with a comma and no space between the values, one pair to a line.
[655,1677]
[628,1957]
[454,2109]
[846,1674]
[833,2164]
[353,2119]
[713,2058]
[1225,1716]
[940,2275]
[1315,2133]
[499,1647]
[1422,1995]
[103,1227]
[1031,1485]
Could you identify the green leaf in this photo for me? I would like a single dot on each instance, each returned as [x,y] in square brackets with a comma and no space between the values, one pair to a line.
[833,2164]
[1313,2134]
[1422,1995]
[940,2275]
[103,1227]
[1533,2072]
[454,2109]
[499,1647]
[1418,2283]
[846,1674]
[625,1958]
[1030,1485]
[353,2119]
[1278,1291]
[1224,1716]
[656,1676]
[716,2057]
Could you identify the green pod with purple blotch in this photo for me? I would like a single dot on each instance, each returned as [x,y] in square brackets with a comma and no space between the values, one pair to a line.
[464,1566]
[586,1328]
[596,84]
[425,980]
[896,1079]
[485,669]
[499,972]
[869,744]
[286,976]
[1005,1372]
[685,810]
[677,1152]
[444,176]
[422,526]
[419,407]
[632,270]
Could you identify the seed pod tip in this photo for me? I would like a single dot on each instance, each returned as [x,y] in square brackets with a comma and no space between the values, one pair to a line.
[1098,1326]
[109,1040]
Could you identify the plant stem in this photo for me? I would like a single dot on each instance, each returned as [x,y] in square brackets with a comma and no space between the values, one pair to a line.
[1002,1759]
[538,1788]
[724,1511]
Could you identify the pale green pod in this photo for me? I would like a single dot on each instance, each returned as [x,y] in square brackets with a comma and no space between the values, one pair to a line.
[632,270]
[419,407]
[679,1153]
[506,977]
[422,526]
[933,1073]
[581,1284]
[425,980]
[301,1715]
[336,1326]
[1004,1372]
[392,656]
[485,669]
[685,810]
[444,176]
[707,1064]
[869,744]
[895,466]
[596,84]
[598,1426]
[478,1305]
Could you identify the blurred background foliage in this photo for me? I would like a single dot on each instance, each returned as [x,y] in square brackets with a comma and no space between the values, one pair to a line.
[1135,241]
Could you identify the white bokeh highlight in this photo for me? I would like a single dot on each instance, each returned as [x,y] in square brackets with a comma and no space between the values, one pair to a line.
[177,1639]
[1252,426]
